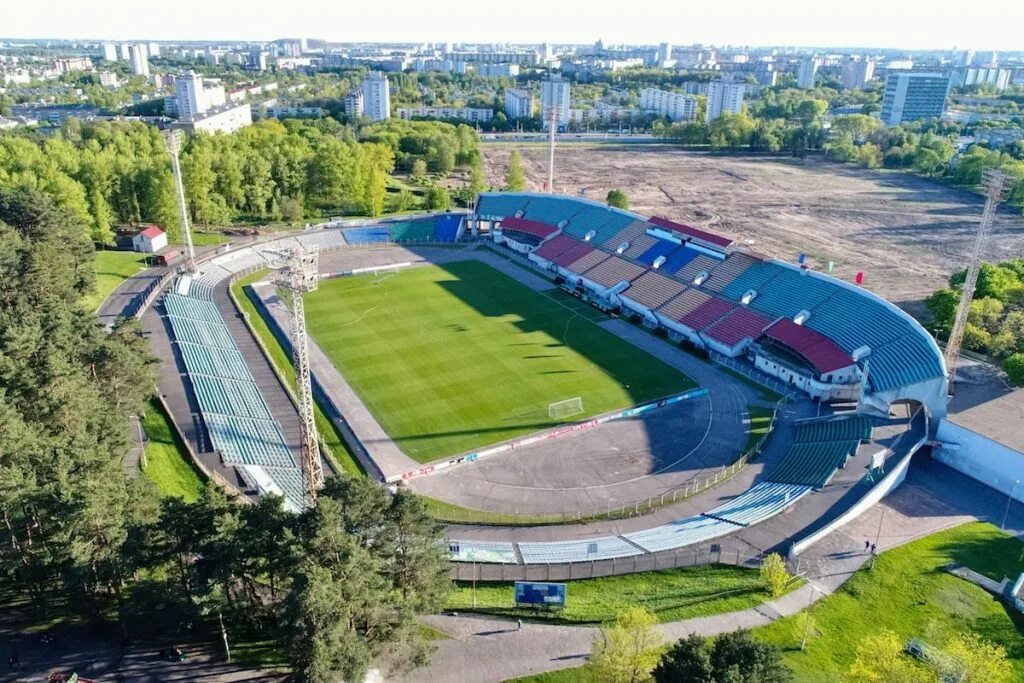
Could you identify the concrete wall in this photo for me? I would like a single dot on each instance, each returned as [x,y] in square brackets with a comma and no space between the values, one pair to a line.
[981,458]
[889,482]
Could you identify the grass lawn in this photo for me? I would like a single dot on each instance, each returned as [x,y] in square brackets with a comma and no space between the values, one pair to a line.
[672,594]
[908,592]
[453,358]
[112,268]
[167,463]
[760,421]
[282,362]
[577,674]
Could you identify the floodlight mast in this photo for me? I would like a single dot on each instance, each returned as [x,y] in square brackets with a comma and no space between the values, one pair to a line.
[552,128]
[173,138]
[995,184]
[300,275]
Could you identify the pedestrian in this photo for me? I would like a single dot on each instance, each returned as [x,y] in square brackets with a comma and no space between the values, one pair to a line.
[867,544]
[873,548]
[519,624]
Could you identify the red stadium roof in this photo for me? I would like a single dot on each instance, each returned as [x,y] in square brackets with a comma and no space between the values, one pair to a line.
[523,225]
[818,350]
[555,246]
[711,238]
[740,324]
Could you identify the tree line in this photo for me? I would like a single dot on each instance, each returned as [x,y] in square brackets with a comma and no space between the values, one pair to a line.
[995,324]
[110,174]
[335,586]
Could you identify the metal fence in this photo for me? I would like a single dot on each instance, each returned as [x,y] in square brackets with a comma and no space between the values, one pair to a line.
[691,556]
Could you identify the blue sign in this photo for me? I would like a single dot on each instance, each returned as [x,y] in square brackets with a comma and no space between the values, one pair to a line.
[541,594]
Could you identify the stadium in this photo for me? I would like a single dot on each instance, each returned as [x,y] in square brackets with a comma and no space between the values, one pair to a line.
[591,390]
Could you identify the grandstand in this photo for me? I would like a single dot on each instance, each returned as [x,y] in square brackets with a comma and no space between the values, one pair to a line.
[237,419]
[820,447]
[826,337]
[439,228]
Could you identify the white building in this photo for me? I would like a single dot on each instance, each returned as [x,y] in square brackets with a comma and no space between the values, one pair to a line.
[857,72]
[724,97]
[1000,78]
[139,57]
[154,49]
[518,104]
[470,114]
[808,70]
[222,121]
[497,70]
[673,106]
[149,241]
[554,97]
[664,54]
[194,98]
[108,79]
[124,52]
[110,52]
[377,97]
[354,104]
[913,96]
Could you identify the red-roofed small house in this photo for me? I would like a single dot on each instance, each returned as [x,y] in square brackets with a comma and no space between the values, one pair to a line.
[150,241]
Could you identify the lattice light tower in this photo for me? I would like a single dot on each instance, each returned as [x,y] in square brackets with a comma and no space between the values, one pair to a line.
[994,183]
[173,138]
[553,114]
[299,275]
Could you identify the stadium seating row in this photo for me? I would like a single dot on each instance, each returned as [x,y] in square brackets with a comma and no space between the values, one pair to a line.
[837,429]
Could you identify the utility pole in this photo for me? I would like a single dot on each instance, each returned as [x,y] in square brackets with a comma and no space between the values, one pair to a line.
[173,138]
[300,275]
[994,183]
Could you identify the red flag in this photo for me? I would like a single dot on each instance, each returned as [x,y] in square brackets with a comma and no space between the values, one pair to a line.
[860,278]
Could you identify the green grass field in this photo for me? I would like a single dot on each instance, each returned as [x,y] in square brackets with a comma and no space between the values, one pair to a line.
[909,593]
[112,268]
[672,594]
[453,358]
[167,463]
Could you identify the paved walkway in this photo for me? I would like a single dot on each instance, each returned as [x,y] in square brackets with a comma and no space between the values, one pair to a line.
[934,497]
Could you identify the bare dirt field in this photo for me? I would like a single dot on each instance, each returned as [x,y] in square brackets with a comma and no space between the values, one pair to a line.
[906,234]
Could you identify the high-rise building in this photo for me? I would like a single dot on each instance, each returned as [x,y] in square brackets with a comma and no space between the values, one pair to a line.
[808,70]
[376,97]
[724,97]
[139,58]
[987,59]
[257,59]
[664,54]
[966,57]
[354,104]
[190,94]
[1000,78]
[518,104]
[110,52]
[857,72]
[154,49]
[123,52]
[913,96]
[672,105]
[554,97]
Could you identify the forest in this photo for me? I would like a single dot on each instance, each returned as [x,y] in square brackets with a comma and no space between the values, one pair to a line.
[111,174]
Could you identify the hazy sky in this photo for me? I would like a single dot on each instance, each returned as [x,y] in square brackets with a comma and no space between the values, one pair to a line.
[910,24]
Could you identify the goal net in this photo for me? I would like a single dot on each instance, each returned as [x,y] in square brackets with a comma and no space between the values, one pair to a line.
[560,410]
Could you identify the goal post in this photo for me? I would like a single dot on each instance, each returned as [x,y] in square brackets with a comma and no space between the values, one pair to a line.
[560,410]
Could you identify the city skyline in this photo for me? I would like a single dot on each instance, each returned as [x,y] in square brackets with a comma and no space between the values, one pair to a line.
[872,24]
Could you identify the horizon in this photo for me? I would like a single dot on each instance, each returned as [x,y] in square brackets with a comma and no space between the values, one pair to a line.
[798,24]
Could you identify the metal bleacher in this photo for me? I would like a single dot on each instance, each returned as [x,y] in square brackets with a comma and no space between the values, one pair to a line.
[760,502]
[681,533]
[602,548]
[237,418]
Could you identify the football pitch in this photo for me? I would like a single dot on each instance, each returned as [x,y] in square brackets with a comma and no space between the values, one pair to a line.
[456,357]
